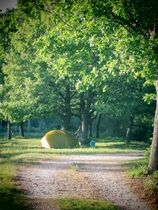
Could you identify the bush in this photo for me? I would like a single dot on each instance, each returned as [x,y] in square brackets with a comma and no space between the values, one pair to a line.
[58,139]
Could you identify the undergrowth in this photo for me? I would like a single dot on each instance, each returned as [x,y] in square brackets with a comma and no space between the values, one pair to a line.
[151,182]
[138,169]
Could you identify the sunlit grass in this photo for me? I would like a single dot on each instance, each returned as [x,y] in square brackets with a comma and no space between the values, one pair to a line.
[68,203]
[137,168]
[28,150]
[84,204]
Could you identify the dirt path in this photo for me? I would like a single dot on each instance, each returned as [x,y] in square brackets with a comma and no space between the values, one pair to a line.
[81,176]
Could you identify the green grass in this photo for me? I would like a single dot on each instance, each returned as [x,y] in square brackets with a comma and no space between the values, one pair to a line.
[119,146]
[13,199]
[20,151]
[84,204]
[138,169]
[151,183]
[74,204]
[10,197]
[26,150]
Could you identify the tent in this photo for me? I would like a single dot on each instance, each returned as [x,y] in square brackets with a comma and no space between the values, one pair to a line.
[58,139]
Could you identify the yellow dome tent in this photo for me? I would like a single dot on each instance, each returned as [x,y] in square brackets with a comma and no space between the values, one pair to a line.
[58,139]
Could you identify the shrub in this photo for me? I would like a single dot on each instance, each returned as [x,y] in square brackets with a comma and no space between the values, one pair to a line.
[58,139]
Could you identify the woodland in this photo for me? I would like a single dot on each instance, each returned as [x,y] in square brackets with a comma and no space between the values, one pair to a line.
[89,60]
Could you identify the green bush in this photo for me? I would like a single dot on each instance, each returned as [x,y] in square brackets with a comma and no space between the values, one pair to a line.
[60,139]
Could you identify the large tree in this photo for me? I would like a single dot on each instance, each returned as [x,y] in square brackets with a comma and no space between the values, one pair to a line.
[140,18]
[51,57]
[7,26]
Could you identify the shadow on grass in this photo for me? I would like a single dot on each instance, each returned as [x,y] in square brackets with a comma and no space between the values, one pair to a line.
[13,200]
[132,146]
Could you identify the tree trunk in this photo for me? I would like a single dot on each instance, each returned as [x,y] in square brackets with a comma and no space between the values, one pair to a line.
[28,125]
[153,161]
[9,131]
[128,132]
[42,124]
[66,115]
[66,121]
[84,121]
[84,130]
[98,125]
[90,128]
[21,129]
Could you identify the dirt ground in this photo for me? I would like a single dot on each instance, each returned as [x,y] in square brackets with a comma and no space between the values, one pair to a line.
[94,176]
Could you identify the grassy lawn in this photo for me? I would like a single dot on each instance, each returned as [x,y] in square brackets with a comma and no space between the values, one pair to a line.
[18,151]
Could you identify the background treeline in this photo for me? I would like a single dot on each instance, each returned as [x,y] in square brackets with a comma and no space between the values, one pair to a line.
[65,64]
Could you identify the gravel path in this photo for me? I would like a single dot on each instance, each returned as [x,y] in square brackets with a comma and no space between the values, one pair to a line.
[81,176]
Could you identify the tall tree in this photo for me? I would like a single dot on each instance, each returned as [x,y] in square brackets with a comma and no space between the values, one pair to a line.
[139,18]
[7,26]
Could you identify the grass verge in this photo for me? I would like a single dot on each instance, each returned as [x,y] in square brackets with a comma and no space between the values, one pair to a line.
[146,186]
[10,197]
[82,204]
[72,204]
